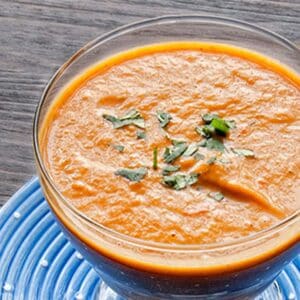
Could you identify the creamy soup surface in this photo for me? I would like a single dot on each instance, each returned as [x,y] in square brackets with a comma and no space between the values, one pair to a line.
[230,124]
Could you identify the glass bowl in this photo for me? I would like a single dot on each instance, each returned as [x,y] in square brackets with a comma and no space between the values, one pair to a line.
[137,269]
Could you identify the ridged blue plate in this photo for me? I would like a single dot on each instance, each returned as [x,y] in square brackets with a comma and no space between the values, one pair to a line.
[38,263]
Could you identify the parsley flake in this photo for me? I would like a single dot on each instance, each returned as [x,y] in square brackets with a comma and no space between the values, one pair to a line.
[231,124]
[215,125]
[243,152]
[119,148]
[132,117]
[206,131]
[212,144]
[220,126]
[191,150]
[155,158]
[163,118]
[180,181]
[140,134]
[170,169]
[132,174]
[207,118]
[216,196]
[173,153]
[199,156]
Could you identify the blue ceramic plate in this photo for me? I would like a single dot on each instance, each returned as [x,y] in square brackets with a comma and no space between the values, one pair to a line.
[38,263]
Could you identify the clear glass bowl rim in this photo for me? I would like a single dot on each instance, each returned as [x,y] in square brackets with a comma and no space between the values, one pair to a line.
[120,31]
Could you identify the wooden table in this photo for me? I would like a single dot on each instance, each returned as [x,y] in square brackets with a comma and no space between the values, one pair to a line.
[37,36]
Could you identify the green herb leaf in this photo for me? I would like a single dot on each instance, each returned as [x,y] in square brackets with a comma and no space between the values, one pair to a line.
[163,118]
[177,150]
[120,148]
[199,156]
[216,196]
[140,134]
[192,179]
[191,150]
[231,124]
[207,118]
[132,114]
[132,174]
[215,125]
[177,142]
[224,160]
[202,143]
[243,152]
[180,181]
[170,169]
[155,158]
[132,117]
[176,182]
[220,126]
[213,144]
[206,131]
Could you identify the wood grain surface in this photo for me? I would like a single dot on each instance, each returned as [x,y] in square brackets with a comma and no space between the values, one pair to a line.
[36,37]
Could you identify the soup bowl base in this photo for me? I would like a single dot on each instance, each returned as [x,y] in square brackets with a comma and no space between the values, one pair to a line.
[273,292]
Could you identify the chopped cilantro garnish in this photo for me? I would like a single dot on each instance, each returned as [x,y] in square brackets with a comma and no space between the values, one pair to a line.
[180,181]
[202,143]
[132,174]
[177,142]
[170,169]
[155,158]
[132,117]
[212,144]
[140,134]
[207,118]
[243,152]
[214,125]
[216,196]
[206,131]
[224,160]
[220,126]
[199,156]
[231,124]
[120,148]
[177,150]
[191,150]
[163,118]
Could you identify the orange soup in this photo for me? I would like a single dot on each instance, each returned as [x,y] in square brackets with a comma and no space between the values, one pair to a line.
[179,143]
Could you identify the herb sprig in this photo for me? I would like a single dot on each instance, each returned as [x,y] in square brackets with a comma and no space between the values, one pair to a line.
[191,150]
[132,117]
[155,154]
[243,152]
[172,153]
[169,169]
[213,131]
[180,181]
[214,125]
[132,174]
[164,118]
[218,196]
[212,144]
[140,134]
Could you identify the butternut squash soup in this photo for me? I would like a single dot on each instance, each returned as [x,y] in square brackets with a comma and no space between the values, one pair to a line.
[179,143]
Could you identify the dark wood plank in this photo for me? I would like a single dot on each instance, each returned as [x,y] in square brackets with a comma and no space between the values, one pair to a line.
[36,37]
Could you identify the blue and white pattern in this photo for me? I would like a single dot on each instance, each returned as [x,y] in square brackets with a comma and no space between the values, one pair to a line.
[37,262]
